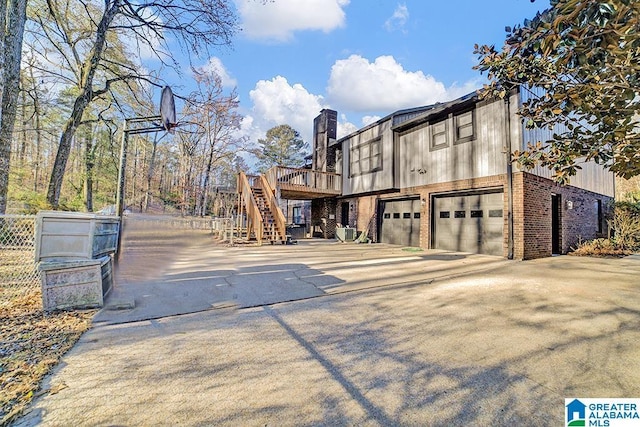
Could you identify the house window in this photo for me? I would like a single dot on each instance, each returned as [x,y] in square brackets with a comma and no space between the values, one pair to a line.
[367,157]
[439,135]
[297,215]
[465,126]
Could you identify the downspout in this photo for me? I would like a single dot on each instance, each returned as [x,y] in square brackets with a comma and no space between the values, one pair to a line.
[508,150]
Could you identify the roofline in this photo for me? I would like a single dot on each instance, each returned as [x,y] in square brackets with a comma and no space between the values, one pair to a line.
[454,105]
[431,109]
[384,119]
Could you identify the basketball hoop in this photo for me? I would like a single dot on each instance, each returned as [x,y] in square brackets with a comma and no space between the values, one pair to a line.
[168,110]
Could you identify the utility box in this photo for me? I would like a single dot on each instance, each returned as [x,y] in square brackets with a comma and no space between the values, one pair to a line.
[76,284]
[346,234]
[69,236]
[74,251]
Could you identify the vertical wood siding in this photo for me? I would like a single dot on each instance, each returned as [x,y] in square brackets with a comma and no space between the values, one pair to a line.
[482,156]
[592,177]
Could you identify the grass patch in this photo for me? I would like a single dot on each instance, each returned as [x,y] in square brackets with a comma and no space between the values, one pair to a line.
[31,344]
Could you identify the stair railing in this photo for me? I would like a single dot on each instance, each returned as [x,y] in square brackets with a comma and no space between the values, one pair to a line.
[272,204]
[254,218]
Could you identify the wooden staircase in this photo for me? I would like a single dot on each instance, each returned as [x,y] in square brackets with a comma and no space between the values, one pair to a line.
[258,204]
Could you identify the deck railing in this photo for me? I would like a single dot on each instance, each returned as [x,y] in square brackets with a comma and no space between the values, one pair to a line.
[278,216]
[321,182]
[254,219]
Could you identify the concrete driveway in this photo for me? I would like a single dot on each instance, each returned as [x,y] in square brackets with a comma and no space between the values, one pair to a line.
[501,345]
[168,273]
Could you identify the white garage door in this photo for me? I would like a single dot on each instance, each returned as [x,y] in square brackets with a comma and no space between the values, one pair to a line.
[469,223]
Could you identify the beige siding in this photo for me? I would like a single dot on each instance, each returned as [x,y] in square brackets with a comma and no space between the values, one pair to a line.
[592,177]
[480,157]
[374,181]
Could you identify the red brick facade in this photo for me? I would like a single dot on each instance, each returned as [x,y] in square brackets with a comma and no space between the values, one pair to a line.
[578,212]
[532,195]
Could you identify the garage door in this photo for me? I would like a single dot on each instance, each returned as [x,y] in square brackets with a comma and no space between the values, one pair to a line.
[469,223]
[400,224]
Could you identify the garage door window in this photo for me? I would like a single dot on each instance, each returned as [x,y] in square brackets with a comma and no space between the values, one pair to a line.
[445,214]
[460,214]
[476,214]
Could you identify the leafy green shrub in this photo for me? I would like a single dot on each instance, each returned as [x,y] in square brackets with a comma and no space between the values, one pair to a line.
[30,201]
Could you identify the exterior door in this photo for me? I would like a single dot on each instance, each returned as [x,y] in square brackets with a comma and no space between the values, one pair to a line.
[400,222]
[469,223]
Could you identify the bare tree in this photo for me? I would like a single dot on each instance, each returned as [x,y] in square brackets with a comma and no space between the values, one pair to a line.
[12,22]
[217,113]
[196,25]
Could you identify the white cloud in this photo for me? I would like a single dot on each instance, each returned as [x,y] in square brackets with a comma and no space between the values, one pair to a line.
[216,66]
[345,127]
[384,85]
[367,120]
[278,20]
[276,102]
[398,19]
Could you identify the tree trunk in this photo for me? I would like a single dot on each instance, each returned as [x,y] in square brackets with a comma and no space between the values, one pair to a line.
[36,113]
[205,185]
[23,140]
[3,33]
[82,101]
[14,15]
[89,161]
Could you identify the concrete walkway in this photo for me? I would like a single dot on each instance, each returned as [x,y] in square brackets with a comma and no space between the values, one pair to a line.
[496,343]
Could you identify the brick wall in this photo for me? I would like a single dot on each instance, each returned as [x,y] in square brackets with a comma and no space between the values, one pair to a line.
[324,217]
[578,214]
[531,212]
[362,214]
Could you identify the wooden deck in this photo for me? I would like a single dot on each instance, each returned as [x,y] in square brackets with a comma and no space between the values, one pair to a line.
[304,184]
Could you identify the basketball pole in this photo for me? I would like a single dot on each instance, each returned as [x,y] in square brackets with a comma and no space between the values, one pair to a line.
[140,125]
[121,187]
[122,176]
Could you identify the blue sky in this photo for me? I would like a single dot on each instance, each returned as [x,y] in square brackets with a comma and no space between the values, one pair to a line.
[363,58]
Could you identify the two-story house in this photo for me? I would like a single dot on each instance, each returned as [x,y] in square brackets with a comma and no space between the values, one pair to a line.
[441,177]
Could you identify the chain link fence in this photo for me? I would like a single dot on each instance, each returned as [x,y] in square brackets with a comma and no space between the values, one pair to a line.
[19,275]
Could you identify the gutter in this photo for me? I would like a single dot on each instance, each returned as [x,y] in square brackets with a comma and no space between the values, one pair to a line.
[510,243]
